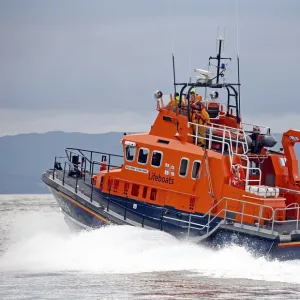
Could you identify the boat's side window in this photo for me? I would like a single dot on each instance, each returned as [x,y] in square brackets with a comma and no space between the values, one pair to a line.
[156,159]
[130,152]
[196,169]
[184,164]
[143,156]
[135,190]
[145,190]
[153,194]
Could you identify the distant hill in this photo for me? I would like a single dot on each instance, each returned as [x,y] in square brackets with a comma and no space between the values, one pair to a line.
[25,157]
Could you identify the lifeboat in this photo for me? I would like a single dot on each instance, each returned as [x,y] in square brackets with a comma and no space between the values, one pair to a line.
[213,179]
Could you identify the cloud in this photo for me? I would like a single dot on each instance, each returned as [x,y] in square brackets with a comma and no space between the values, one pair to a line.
[108,57]
[14,121]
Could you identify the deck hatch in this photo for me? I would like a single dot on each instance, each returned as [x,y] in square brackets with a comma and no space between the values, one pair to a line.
[163,142]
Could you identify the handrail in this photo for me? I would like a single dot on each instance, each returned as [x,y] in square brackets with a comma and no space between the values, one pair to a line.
[225,130]
[268,129]
[190,217]
[225,210]
[96,152]
[226,139]
[297,207]
[212,217]
[79,152]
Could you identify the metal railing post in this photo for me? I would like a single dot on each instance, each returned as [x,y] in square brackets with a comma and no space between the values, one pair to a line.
[223,142]
[91,165]
[259,217]
[84,170]
[210,138]
[76,183]
[92,185]
[273,219]
[63,181]
[92,189]
[54,168]
[108,163]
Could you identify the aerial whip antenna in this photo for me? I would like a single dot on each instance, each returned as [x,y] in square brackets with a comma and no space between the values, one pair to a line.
[217,39]
[174,77]
[172,44]
[238,56]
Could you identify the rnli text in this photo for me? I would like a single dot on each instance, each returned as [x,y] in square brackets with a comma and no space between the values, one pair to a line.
[154,177]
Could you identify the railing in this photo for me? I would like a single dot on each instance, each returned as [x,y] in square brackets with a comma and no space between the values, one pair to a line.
[295,207]
[248,169]
[248,127]
[89,156]
[191,221]
[227,136]
[223,214]
[80,170]
[232,139]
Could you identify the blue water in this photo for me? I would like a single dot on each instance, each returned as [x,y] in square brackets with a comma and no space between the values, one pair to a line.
[40,258]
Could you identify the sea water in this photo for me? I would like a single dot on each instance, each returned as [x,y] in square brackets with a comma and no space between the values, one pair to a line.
[40,258]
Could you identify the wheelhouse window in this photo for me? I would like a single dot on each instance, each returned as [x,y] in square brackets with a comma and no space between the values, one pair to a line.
[184,164]
[130,152]
[143,156]
[196,169]
[156,159]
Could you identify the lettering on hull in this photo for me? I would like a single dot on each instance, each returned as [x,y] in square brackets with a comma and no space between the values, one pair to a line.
[140,170]
[159,178]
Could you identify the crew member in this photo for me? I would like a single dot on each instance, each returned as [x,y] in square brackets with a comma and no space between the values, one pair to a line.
[174,103]
[103,164]
[200,116]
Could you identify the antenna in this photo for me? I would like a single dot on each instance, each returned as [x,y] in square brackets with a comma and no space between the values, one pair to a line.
[237,51]
[174,78]
[219,58]
[190,64]
[239,84]
[217,38]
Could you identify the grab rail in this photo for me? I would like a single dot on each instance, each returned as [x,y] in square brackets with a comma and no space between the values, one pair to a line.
[193,221]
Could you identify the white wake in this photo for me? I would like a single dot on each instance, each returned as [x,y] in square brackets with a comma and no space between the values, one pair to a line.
[44,244]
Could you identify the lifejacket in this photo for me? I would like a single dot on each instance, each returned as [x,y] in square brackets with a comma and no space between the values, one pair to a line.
[197,108]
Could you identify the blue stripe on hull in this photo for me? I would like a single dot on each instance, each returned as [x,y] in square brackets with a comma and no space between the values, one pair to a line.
[286,253]
[83,216]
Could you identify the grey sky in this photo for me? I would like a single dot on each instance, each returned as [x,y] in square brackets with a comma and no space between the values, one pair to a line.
[93,66]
